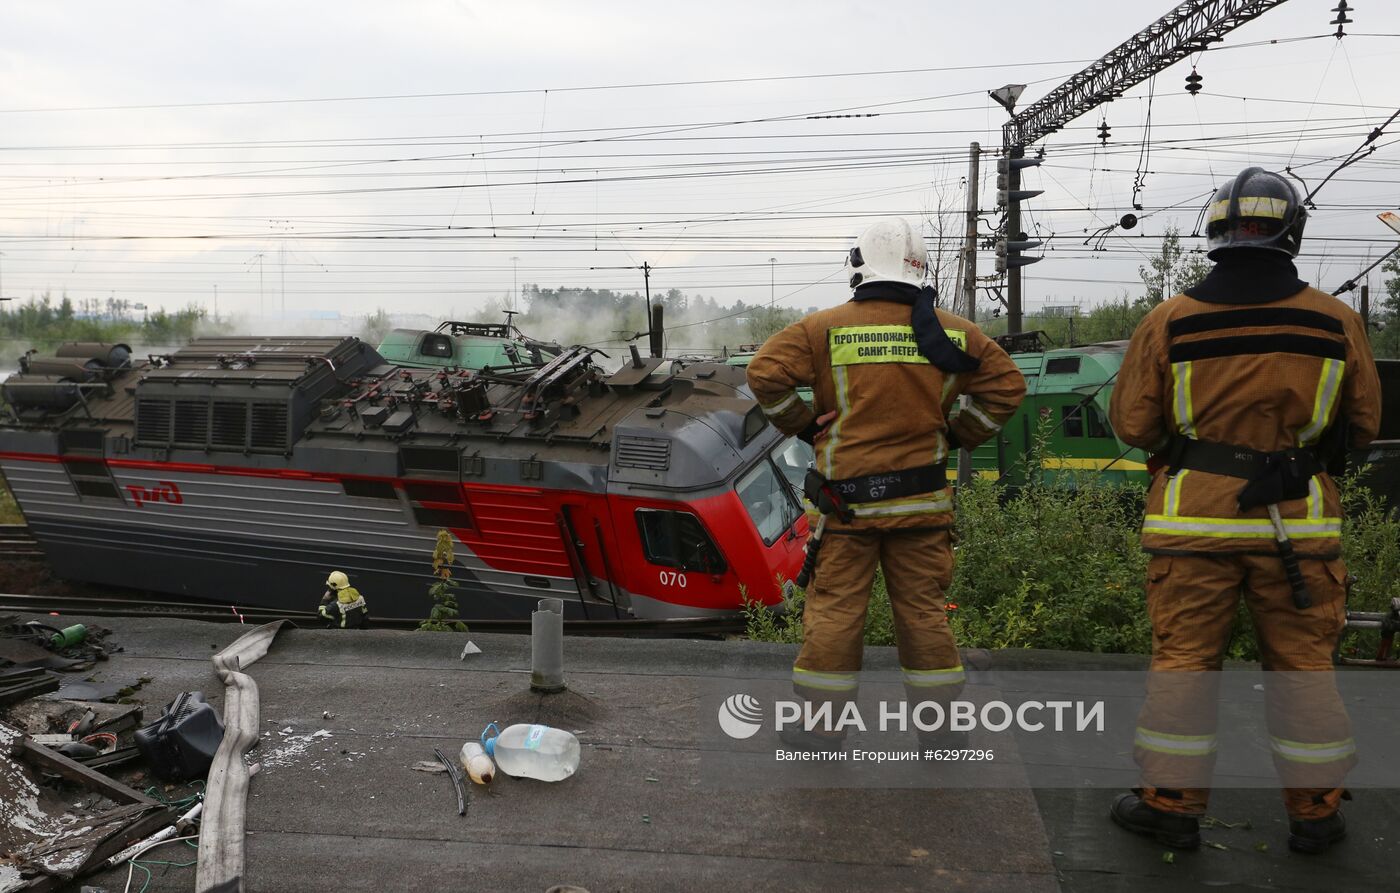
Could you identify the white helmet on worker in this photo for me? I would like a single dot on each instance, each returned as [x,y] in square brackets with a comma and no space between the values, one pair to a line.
[888,251]
[338,581]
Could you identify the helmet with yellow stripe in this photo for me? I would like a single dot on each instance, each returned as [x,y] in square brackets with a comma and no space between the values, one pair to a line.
[1257,209]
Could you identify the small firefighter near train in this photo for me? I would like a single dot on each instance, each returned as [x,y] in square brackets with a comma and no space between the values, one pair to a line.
[1245,388]
[342,606]
[886,369]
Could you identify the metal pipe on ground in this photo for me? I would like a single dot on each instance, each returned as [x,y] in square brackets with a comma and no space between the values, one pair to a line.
[547,646]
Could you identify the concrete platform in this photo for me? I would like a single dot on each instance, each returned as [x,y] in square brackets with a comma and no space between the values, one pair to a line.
[346,812]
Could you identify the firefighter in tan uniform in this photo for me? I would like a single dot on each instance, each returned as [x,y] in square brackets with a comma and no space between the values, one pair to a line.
[885,369]
[1245,387]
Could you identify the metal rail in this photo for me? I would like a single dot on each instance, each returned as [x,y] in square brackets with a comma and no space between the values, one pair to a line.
[17,542]
[127,605]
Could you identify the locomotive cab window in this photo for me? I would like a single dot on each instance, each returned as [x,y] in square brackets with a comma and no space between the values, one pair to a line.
[1072,418]
[436,346]
[1097,424]
[677,539]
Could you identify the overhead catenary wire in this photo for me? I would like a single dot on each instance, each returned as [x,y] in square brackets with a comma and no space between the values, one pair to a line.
[546,231]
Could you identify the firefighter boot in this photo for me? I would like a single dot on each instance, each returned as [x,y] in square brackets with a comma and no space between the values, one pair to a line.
[1182,832]
[1314,836]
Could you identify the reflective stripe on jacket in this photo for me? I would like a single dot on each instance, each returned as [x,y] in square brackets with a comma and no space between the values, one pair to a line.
[1263,376]
[861,360]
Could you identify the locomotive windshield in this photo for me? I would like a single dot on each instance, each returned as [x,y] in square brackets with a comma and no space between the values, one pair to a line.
[769,491]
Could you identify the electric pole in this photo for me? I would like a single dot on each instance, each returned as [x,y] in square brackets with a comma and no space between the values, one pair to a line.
[969,283]
[514,280]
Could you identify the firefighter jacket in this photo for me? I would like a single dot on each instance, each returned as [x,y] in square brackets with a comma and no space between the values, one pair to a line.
[892,405]
[1264,376]
[342,611]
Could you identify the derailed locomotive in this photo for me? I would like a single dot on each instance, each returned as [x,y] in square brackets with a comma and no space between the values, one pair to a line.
[242,470]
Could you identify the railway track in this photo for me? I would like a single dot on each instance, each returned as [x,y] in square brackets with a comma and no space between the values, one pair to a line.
[17,542]
[129,605]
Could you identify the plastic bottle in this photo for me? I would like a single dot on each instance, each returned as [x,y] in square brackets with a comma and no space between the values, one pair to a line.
[532,751]
[477,762]
[68,636]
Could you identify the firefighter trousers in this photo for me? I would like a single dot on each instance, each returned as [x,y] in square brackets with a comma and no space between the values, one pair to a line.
[918,568]
[1192,601]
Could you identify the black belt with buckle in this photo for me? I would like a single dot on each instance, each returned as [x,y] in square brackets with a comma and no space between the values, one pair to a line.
[892,484]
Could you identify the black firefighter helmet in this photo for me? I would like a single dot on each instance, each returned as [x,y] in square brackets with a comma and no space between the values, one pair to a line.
[1258,209]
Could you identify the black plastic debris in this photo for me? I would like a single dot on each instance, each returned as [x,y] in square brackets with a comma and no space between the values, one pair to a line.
[180,745]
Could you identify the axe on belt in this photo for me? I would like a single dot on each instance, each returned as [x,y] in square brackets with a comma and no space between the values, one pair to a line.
[821,494]
[1283,478]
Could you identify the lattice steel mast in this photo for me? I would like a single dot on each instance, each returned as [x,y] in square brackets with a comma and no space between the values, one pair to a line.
[1190,27]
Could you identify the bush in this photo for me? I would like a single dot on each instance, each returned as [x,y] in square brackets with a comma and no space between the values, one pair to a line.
[9,509]
[1371,549]
[1053,565]
[444,615]
[1059,565]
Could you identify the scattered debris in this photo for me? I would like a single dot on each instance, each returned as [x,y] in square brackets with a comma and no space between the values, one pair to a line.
[478,763]
[469,649]
[33,643]
[51,837]
[455,774]
[182,743]
[428,766]
[1212,822]
[23,683]
[1169,857]
[1262,846]
[1213,845]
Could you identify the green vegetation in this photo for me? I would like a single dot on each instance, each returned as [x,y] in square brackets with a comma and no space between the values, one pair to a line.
[445,613]
[42,323]
[1385,316]
[9,509]
[1058,565]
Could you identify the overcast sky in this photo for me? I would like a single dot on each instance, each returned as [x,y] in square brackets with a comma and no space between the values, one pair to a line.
[215,171]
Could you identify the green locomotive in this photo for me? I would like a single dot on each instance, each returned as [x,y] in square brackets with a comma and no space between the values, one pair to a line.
[1067,393]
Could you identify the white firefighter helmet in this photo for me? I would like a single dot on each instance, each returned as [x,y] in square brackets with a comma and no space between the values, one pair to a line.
[888,251]
[338,581]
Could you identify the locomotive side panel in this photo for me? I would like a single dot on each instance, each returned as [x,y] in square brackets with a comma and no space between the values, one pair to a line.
[268,539]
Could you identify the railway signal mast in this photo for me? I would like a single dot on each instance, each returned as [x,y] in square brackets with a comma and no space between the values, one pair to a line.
[1190,27]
